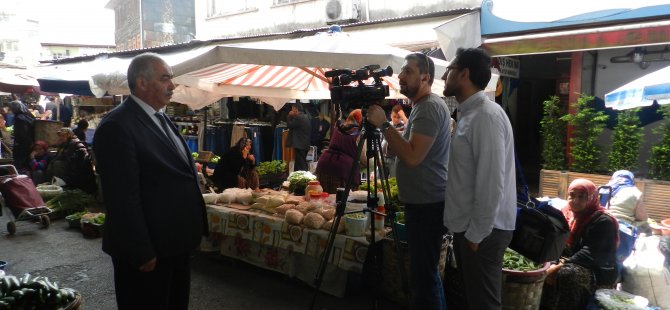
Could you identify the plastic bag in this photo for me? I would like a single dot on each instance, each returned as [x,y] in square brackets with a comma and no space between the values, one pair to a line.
[613,299]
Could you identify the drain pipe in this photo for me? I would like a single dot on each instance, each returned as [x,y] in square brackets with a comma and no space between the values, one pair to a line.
[367,10]
[594,67]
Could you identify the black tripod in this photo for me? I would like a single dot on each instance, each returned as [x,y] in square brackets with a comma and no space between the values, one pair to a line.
[373,137]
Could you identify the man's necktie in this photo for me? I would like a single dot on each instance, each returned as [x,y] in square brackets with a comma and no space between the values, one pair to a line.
[163,120]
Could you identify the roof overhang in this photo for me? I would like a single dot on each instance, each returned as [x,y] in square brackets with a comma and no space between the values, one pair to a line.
[634,34]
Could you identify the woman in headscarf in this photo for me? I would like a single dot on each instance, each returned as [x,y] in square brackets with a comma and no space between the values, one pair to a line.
[39,161]
[73,163]
[589,257]
[625,202]
[23,134]
[336,162]
[237,167]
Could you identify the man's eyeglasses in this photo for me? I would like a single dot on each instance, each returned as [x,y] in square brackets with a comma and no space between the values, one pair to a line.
[451,68]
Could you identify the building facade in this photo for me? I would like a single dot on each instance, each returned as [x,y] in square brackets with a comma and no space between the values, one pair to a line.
[150,23]
[19,35]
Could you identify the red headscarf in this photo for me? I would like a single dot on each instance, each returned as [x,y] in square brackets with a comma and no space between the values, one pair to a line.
[579,220]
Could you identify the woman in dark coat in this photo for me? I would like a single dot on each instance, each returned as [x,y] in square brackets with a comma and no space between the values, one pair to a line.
[23,134]
[336,162]
[73,163]
[237,167]
[589,259]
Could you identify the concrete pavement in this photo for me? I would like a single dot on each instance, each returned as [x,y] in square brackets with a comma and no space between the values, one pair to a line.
[63,255]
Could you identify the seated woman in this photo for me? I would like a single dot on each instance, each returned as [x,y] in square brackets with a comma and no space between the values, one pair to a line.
[625,203]
[336,162]
[39,161]
[589,258]
[73,163]
[237,167]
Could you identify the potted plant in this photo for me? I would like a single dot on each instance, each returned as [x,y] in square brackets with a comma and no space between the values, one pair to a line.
[626,141]
[553,135]
[587,125]
[659,162]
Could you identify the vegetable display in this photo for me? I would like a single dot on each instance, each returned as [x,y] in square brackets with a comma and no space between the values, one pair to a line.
[72,201]
[271,167]
[33,293]
[515,261]
[393,187]
[400,218]
[297,181]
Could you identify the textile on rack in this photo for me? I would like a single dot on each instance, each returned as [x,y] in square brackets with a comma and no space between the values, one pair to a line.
[236,135]
[287,152]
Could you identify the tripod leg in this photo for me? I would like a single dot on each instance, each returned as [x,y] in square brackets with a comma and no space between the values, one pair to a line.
[339,212]
[391,211]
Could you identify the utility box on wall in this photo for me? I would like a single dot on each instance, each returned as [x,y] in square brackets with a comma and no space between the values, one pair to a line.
[343,11]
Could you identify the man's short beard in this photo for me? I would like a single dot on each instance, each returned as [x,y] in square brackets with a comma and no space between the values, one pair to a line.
[409,93]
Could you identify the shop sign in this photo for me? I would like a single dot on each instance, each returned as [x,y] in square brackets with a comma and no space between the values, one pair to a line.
[509,67]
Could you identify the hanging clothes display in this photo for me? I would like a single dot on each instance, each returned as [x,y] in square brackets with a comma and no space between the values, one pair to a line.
[278,147]
[237,134]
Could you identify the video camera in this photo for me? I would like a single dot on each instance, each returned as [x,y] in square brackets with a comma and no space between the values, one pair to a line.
[351,96]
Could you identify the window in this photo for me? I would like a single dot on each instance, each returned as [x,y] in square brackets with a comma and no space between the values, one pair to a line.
[222,7]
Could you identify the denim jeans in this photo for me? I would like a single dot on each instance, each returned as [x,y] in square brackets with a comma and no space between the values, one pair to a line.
[425,231]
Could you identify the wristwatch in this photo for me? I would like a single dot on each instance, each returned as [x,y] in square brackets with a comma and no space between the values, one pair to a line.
[386,125]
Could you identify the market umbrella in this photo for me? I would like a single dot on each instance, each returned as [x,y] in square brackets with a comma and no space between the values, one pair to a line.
[15,80]
[290,69]
[66,79]
[641,92]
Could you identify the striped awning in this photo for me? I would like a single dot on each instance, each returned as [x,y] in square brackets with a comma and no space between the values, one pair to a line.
[273,81]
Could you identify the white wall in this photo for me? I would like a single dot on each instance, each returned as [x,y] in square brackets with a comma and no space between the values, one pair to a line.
[267,18]
[610,76]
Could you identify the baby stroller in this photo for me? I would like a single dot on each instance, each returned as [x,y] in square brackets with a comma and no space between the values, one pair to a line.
[20,196]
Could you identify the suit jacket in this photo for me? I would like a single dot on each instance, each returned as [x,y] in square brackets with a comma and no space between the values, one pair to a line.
[300,130]
[154,205]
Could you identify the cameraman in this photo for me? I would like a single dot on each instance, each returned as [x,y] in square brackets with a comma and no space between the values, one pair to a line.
[422,150]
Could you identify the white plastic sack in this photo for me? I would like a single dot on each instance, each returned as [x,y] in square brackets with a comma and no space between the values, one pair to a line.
[645,275]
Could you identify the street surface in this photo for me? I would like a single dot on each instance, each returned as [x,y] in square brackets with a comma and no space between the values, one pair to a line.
[63,255]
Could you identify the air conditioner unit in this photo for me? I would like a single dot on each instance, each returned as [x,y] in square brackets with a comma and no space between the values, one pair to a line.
[342,11]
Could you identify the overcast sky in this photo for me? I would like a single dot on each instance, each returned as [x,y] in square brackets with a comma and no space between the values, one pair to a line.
[74,21]
[545,10]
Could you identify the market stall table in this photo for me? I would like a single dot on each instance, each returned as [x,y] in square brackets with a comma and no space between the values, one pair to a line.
[269,242]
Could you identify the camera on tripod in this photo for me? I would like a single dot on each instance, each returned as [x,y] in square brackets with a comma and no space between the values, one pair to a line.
[354,96]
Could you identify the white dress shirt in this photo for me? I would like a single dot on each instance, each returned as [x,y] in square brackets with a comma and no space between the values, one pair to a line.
[481,189]
[152,115]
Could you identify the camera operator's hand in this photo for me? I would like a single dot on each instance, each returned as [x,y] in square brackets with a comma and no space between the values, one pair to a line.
[376,115]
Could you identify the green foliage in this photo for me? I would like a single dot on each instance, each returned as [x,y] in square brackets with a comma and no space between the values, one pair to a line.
[553,134]
[271,167]
[393,187]
[659,162]
[588,124]
[626,141]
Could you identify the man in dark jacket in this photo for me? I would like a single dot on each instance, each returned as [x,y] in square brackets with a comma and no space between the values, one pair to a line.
[298,135]
[24,132]
[155,212]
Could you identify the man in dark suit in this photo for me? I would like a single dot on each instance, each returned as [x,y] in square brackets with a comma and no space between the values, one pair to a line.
[298,135]
[155,212]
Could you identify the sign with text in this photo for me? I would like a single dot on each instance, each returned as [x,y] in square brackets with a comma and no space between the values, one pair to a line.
[509,67]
